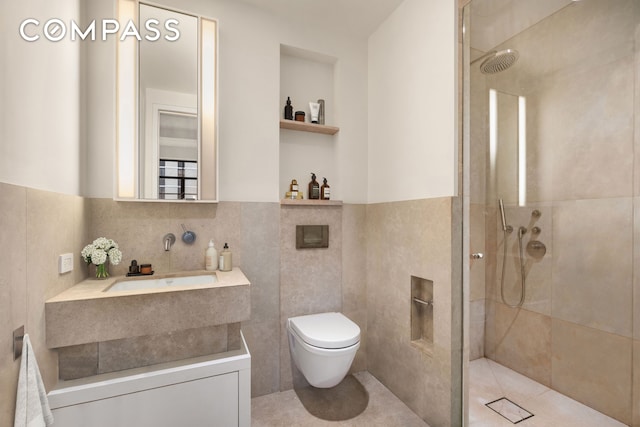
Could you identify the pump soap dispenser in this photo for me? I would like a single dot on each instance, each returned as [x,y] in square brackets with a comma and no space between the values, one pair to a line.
[225,259]
[288,110]
[325,190]
[211,257]
[314,188]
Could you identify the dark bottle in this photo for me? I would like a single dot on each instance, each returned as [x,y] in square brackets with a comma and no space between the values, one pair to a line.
[288,110]
[325,190]
[314,188]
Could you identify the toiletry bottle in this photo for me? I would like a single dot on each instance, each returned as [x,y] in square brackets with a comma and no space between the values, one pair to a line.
[314,109]
[314,187]
[321,113]
[293,188]
[325,190]
[288,110]
[211,257]
[225,259]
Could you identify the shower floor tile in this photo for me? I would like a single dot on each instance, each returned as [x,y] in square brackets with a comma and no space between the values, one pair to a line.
[490,381]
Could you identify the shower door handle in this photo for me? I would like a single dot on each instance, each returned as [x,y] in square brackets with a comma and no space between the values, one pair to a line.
[477,255]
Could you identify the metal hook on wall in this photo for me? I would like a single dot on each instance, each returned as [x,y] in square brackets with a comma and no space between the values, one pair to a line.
[18,338]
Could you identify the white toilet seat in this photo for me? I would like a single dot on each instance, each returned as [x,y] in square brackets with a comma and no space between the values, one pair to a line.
[326,330]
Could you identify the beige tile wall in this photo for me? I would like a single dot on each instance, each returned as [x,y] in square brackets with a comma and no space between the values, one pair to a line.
[261,264]
[594,367]
[405,239]
[85,360]
[37,226]
[310,279]
[252,231]
[354,274]
[285,282]
[635,396]
[592,274]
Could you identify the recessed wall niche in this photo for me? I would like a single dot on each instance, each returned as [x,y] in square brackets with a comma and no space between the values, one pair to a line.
[306,76]
[422,313]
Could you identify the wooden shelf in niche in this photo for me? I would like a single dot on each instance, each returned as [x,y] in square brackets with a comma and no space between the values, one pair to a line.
[309,202]
[308,127]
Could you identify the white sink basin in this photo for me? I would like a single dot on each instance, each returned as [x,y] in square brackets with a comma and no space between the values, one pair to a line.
[164,282]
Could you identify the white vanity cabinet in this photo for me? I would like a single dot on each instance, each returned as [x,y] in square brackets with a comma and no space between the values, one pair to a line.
[206,391]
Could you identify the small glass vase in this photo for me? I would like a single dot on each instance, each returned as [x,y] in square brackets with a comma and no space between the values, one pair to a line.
[99,272]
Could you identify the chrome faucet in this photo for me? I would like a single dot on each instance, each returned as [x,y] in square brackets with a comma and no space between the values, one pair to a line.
[169,240]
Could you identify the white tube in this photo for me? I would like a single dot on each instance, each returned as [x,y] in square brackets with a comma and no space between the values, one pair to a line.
[315,111]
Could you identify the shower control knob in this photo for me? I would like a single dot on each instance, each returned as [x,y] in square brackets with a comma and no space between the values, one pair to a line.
[477,255]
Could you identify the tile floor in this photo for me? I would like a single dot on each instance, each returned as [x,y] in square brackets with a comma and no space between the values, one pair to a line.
[489,381]
[286,409]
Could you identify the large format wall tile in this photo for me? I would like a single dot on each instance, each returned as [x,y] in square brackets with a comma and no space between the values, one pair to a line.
[310,279]
[13,290]
[599,142]
[592,263]
[522,341]
[407,239]
[476,329]
[253,233]
[636,384]
[636,269]
[139,229]
[593,367]
[354,275]
[37,226]
[56,224]
[261,264]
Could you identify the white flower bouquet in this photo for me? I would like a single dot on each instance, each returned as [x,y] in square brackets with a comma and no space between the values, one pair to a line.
[98,252]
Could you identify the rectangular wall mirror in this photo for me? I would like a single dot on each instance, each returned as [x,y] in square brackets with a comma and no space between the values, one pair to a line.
[167,81]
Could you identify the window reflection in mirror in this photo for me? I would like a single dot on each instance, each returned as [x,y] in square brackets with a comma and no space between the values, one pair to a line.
[168,105]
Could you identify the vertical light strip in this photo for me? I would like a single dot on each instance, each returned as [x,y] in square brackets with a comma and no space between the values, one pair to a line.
[493,138]
[208,113]
[522,151]
[126,102]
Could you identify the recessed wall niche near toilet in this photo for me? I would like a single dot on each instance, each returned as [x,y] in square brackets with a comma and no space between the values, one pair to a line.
[422,313]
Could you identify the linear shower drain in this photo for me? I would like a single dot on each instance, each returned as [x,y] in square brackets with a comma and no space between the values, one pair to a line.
[509,410]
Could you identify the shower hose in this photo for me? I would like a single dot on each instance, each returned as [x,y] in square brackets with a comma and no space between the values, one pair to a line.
[521,232]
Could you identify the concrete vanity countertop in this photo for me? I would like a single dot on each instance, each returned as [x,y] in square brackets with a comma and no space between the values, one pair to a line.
[85,313]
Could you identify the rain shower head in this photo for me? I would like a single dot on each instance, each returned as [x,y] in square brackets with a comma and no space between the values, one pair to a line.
[497,61]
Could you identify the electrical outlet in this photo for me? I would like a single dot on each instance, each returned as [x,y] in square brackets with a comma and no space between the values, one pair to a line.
[65,263]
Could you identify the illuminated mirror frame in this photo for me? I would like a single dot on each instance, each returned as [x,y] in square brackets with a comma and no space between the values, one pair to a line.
[127,103]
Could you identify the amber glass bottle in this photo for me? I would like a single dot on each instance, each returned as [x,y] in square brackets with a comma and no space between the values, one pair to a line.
[288,110]
[314,188]
[325,190]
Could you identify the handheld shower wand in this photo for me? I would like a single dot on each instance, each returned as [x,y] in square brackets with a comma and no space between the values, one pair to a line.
[521,232]
[502,215]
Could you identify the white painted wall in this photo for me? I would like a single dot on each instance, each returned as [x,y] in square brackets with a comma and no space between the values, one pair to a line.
[249,100]
[40,136]
[412,103]
[99,114]
[394,101]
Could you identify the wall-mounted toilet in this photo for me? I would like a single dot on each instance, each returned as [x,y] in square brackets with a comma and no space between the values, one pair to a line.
[323,346]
